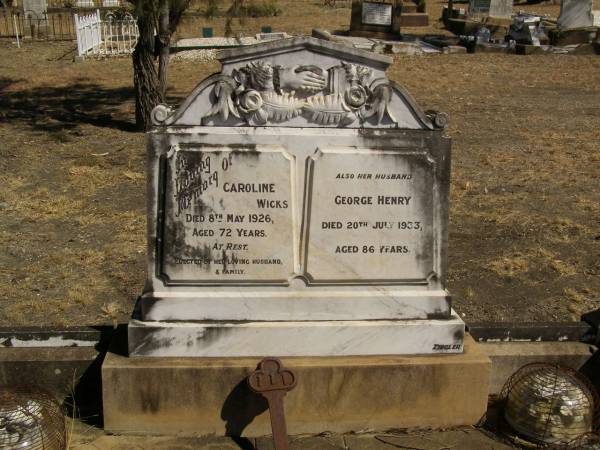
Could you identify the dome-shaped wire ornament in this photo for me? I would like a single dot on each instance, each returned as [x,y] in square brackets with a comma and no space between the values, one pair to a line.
[550,404]
[588,441]
[30,419]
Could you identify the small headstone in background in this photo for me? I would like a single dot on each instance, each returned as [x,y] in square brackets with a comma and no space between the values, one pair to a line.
[376,13]
[575,14]
[35,8]
[375,18]
[479,7]
[491,8]
[501,8]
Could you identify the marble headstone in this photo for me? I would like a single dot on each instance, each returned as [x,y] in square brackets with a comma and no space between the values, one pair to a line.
[297,205]
[377,18]
[575,14]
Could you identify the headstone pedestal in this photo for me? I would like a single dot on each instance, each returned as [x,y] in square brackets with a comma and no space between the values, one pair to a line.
[297,208]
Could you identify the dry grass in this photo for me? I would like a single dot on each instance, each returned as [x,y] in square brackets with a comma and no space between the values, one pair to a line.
[509,266]
[524,211]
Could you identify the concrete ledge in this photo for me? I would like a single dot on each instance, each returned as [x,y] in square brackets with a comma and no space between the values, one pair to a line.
[57,369]
[201,396]
[507,357]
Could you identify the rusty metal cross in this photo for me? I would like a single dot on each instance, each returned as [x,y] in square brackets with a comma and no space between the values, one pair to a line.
[272,381]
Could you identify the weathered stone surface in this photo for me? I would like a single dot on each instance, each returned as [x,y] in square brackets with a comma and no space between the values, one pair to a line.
[56,369]
[309,197]
[320,338]
[575,14]
[209,395]
[508,357]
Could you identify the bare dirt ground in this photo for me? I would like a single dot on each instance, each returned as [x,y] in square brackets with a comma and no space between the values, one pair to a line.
[525,199]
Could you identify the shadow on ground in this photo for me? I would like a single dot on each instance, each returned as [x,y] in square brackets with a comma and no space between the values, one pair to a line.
[51,109]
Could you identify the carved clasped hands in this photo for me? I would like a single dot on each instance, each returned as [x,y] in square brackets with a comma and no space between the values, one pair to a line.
[304,78]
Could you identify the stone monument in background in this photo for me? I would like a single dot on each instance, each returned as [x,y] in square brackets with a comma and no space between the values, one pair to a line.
[491,8]
[575,14]
[384,18]
[35,9]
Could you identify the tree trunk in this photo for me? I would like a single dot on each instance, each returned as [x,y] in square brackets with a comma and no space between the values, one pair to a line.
[164,35]
[145,78]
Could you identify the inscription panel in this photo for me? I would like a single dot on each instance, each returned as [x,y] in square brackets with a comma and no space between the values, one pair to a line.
[376,13]
[371,217]
[228,216]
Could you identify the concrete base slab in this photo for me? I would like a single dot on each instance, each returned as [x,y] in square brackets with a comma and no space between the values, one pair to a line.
[464,439]
[310,338]
[374,34]
[56,369]
[156,443]
[454,49]
[201,396]
[330,442]
[508,357]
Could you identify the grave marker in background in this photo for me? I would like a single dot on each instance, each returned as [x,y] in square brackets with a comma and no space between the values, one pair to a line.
[36,9]
[575,14]
[491,8]
[376,18]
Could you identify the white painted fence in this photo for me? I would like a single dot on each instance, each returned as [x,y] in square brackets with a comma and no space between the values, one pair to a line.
[106,37]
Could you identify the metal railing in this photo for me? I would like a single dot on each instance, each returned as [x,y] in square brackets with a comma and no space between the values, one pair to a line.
[85,3]
[52,27]
[111,36]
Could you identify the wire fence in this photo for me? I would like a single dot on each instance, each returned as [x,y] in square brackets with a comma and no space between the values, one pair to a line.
[85,3]
[52,27]
[95,35]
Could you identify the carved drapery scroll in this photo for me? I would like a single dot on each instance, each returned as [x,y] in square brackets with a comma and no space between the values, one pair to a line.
[260,93]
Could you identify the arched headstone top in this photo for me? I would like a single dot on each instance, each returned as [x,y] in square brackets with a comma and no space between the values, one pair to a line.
[299,82]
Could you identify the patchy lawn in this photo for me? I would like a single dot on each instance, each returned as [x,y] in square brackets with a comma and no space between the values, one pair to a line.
[525,202]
